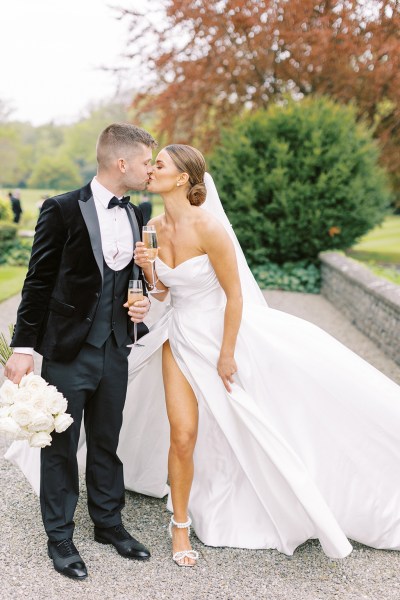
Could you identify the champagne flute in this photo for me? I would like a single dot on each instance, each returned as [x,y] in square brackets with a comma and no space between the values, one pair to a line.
[150,242]
[135,293]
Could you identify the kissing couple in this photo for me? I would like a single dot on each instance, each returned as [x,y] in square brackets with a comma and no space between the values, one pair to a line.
[268,431]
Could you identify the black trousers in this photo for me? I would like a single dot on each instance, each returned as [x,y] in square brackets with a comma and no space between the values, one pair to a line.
[94,384]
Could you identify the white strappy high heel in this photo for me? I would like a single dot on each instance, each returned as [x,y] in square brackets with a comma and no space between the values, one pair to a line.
[179,557]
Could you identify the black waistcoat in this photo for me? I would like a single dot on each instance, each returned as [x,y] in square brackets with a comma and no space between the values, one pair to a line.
[111,316]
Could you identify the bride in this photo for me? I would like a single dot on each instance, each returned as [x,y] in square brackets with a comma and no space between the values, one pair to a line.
[270,431]
[278,433]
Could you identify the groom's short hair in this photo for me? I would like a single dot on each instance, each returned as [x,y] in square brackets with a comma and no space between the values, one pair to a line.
[121,138]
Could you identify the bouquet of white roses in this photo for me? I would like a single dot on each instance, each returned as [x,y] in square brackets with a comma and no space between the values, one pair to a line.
[32,410]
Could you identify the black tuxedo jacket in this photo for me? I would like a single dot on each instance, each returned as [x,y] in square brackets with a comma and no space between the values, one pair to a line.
[64,280]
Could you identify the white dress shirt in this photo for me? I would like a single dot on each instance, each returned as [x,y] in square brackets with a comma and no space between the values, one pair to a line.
[115,228]
[116,234]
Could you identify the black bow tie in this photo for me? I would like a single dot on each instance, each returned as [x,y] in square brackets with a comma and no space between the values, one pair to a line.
[123,202]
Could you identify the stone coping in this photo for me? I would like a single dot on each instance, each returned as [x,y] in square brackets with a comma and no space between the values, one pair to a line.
[370,302]
[358,274]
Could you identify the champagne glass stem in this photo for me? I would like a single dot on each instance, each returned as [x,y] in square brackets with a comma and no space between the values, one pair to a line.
[135,334]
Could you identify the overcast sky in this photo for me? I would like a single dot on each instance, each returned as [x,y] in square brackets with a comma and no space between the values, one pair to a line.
[50,51]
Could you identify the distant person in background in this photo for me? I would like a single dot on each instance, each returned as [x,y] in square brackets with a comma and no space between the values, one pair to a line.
[16,205]
[146,208]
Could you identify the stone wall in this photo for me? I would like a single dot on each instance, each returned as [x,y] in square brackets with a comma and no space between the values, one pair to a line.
[371,303]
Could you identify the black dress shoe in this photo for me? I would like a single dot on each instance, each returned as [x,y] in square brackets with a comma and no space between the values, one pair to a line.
[122,541]
[66,559]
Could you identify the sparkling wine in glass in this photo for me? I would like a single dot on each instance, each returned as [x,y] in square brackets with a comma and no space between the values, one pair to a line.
[135,293]
[149,235]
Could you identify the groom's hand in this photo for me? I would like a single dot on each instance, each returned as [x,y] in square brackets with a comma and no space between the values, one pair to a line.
[138,311]
[17,366]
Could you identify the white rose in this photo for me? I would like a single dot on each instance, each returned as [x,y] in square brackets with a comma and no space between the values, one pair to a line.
[38,401]
[23,434]
[56,403]
[62,422]
[23,413]
[23,395]
[40,439]
[8,392]
[41,422]
[32,382]
[8,425]
[5,411]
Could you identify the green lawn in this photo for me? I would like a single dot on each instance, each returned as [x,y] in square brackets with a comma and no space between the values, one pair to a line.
[382,243]
[11,280]
[391,274]
[379,250]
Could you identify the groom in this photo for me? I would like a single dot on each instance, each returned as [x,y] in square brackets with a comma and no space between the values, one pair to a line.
[72,312]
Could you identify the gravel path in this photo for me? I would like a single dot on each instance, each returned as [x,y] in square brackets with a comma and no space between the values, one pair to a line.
[222,574]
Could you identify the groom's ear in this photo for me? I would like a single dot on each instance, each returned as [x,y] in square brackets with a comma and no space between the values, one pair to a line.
[121,165]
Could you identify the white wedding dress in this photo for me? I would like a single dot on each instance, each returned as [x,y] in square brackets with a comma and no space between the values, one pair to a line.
[307,445]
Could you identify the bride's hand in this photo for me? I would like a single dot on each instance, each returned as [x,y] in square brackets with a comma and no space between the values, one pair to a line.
[226,369]
[141,255]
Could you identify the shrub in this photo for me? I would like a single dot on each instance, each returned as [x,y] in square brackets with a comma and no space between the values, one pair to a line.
[298,179]
[5,210]
[8,231]
[18,253]
[301,276]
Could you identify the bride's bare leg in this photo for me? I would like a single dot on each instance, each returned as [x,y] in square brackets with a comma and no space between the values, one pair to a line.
[183,418]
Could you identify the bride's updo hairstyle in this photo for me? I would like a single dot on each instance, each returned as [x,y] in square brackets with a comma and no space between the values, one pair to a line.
[191,161]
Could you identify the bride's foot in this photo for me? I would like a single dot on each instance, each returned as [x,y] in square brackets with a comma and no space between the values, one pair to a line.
[182,551]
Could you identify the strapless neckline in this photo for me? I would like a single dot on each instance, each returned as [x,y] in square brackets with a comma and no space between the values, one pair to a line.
[181,263]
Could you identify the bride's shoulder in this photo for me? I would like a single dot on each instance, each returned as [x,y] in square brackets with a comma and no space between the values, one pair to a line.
[156,221]
[206,222]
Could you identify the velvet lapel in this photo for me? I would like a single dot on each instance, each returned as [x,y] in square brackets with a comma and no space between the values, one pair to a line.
[89,215]
[136,235]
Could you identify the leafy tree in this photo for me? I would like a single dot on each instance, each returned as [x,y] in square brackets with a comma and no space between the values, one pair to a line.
[46,140]
[55,172]
[298,179]
[81,137]
[207,61]
[12,151]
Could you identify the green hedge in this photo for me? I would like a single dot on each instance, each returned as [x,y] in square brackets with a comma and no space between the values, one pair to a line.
[8,231]
[14,251]
[299,178]
[5,210]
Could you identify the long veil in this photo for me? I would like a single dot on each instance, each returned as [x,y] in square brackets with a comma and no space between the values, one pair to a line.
[250,289]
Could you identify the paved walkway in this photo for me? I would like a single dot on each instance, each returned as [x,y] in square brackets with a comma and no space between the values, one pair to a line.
[222,574]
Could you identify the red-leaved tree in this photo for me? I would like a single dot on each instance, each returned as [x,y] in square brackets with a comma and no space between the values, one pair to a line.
[205,61]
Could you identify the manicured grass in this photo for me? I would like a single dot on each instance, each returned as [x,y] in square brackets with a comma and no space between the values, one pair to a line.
[382,244]
[388,273]
[379,250]
[11,280]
